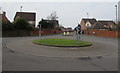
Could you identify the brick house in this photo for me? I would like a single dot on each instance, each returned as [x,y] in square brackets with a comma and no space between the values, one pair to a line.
[98,25]
[108,24]
[3,17]
[29,16]
[87,23]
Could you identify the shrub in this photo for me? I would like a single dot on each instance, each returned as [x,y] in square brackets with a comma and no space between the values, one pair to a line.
[22,24]
[46,24]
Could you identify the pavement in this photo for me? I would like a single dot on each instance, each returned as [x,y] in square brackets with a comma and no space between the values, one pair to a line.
[20,54]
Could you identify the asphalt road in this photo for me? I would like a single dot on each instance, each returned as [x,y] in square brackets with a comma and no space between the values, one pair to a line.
[15,61]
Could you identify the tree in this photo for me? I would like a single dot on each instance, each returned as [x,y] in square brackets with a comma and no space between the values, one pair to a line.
[53,16]
[46,24]
[22,24]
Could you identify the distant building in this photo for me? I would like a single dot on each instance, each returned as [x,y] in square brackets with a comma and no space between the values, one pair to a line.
[29,16]
[69,29]
[48,22]
[87,23]
[99,25]
[108,24]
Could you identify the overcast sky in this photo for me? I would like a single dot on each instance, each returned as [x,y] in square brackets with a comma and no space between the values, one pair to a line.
[69,13]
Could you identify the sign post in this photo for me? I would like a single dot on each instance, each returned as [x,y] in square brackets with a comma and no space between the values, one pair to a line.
[78,32]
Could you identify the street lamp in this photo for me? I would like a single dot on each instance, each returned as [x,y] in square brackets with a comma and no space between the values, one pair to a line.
[21,8]
[116,13]
[87,15]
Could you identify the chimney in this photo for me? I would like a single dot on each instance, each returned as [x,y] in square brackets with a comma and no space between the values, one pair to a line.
[4,13]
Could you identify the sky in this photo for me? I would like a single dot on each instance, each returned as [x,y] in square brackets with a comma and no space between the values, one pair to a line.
[69,13]
[119,11]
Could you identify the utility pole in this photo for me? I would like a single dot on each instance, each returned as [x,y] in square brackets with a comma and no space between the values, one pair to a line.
[116,13]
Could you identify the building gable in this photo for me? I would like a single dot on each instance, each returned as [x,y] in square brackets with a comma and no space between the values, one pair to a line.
[88,24]
[26,15]
[29,16]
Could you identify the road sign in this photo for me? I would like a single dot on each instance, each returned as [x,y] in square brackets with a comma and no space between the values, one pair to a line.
[78,32]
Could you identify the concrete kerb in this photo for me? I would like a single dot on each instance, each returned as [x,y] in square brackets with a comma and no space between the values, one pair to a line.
[63,46]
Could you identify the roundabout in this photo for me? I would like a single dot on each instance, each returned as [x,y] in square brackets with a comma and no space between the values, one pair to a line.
[62,43]
[25,45]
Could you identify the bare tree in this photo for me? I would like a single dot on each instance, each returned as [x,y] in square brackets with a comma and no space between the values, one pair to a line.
[53,16]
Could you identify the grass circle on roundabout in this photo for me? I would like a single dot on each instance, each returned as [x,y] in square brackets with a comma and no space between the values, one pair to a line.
[62,43]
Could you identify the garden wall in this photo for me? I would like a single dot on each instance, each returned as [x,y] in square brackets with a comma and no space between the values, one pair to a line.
[49,31]
[36,32]
[16,33]
[103,33]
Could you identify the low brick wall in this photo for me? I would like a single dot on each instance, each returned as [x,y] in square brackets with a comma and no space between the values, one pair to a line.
[103,33]
[49,31]
[36,32]
[16,33]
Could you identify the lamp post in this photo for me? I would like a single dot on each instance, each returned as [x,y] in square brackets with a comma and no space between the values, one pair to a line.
[21,8]
[116,13]
[87,15]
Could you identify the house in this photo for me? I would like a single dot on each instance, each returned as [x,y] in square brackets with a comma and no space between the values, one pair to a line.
[98,25]
[69,29]
[47,23]
[29,16]
[108,24]
[87,23]
[3,17]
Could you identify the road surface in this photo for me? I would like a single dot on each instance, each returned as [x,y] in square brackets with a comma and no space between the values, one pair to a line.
[18,60]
